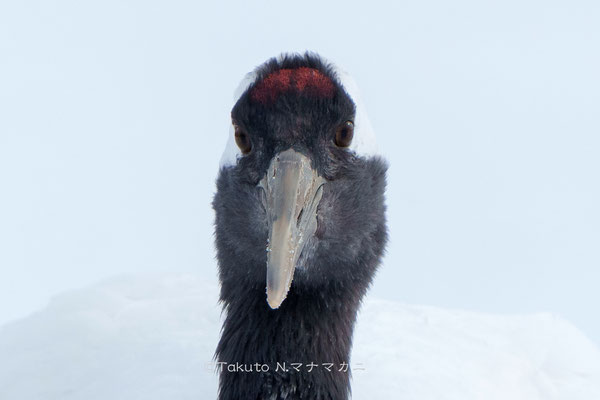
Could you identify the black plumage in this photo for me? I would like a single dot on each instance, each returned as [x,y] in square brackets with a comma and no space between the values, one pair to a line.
[314,324]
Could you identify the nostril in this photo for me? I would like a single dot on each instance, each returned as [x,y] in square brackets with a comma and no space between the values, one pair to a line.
[299,217]
[263,197]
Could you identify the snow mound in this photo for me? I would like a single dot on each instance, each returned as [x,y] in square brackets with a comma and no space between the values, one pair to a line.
[154,337]
[420,352]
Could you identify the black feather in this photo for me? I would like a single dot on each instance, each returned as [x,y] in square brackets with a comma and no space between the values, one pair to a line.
[315,322]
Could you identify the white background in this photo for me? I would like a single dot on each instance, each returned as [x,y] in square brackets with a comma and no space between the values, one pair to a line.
[113,116]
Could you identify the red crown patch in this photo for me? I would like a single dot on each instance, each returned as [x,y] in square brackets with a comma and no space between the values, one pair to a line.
[304,80]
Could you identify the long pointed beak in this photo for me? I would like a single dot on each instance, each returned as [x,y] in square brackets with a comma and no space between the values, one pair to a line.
[293,191]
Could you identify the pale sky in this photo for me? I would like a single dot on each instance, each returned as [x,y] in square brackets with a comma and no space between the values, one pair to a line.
[113,117]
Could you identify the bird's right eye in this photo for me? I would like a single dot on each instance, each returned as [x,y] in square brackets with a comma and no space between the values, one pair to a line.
[242,139]
[344,134]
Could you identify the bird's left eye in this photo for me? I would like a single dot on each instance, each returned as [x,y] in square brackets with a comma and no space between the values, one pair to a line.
[344,134]
[242,139]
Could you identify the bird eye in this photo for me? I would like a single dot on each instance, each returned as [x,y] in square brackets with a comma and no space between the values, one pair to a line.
[344,134]
[242,139]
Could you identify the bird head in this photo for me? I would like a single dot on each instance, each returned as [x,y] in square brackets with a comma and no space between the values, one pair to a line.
[300,194]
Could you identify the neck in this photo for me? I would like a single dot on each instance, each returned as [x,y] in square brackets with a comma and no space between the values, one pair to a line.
[299,351]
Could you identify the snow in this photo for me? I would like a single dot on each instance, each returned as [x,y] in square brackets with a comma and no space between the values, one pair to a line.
[153,337]
[363,144]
